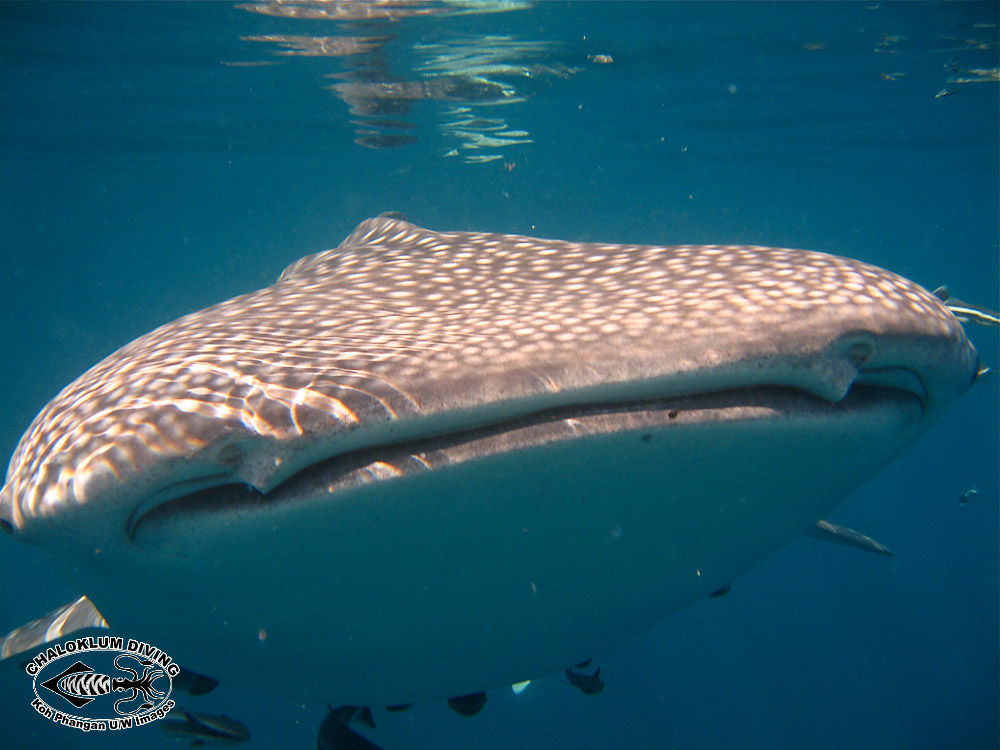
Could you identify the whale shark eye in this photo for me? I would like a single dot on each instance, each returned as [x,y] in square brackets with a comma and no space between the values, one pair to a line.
[860,352]
[229,455]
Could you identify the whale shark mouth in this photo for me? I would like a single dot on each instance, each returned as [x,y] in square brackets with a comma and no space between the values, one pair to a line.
[528,431]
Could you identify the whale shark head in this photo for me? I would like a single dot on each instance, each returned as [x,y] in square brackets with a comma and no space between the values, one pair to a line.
[422,439]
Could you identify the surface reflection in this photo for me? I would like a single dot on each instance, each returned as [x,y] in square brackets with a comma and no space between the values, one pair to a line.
[380,75]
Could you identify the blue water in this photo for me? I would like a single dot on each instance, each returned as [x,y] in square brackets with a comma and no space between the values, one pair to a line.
[156,158]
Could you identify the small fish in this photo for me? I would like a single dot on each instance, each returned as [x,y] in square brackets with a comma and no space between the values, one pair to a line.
[193,683]
[519,687]
[364,715]
[203,729]
[335,734]
[969,494]
[966,311]
[347,714]
[467,705]
[832,532]
[721,591]
[590,684]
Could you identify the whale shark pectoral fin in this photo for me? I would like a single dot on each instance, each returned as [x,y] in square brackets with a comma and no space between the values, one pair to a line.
[73,618]
[831,532]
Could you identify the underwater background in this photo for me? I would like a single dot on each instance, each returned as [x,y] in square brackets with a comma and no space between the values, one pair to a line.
[158,157]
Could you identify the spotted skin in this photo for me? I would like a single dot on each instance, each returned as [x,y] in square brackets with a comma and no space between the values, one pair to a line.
[402,332]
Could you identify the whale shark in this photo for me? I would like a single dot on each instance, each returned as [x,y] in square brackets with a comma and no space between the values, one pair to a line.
[423,464]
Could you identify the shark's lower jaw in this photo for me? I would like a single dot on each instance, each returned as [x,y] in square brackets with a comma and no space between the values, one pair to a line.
[509,552]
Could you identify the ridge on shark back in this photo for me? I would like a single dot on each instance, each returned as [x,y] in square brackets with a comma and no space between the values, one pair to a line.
[424,463]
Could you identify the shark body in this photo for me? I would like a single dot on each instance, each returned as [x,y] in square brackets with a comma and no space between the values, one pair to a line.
[423,463]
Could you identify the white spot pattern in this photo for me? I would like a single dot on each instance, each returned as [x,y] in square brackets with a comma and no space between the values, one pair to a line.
[400,321]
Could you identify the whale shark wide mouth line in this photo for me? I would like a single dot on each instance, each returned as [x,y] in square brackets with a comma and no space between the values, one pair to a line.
[214,493]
